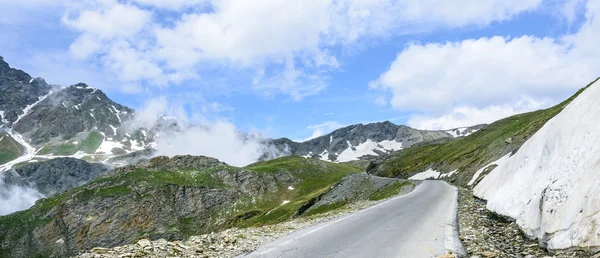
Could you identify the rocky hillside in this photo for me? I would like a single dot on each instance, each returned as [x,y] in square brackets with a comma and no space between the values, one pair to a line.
[360,141]
[466,160]
[54,175]
[167,198]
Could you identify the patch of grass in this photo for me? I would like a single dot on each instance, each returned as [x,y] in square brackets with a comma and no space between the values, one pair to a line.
[389,191]
[162,178]
[92,142]
[89,145]
[469,154]
[66,149]
[9,148]
[325,208]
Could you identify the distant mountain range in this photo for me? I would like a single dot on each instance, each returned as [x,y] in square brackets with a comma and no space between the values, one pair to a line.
[39,121]
[360,141]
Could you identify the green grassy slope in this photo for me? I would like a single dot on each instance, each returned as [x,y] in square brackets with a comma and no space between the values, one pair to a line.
[9,148]
[471,153]
[88,145]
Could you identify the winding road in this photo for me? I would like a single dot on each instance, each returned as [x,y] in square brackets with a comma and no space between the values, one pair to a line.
[419,224]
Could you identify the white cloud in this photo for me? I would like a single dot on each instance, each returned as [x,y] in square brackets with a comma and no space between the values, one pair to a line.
[492,72]
[218,139]
[321,129]
[173,5]
[464,116]
[16,198]
[287,43]
[198,133]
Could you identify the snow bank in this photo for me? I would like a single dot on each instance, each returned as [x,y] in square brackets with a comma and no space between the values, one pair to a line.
[551,185]
[429,174]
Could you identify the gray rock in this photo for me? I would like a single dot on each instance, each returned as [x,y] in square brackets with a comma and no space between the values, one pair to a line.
[54,175]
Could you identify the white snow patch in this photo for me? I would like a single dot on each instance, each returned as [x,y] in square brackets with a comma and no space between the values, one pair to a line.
[135,145]
[324,156]
[108,145]
[1,138]
[3,118]
[429,174]
[551,185]
[98,98]
[28,155]
[290,188]
[452,173]
[497,162]
[75,143]
[449,174]
[114,129]
[285,202]
[309,155]
[391,145]
[30,81]
[92,115]
[367,148]
[330,139]
[460,132]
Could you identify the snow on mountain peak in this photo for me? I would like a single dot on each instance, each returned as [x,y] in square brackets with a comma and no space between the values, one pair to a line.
[550,186]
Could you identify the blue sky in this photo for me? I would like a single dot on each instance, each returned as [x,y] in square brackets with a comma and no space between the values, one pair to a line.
[299,69]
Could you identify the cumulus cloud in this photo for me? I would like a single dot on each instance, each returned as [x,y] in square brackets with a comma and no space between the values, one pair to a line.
[16,198]
[464,116]
[491,74]
[288,43]
[173,5]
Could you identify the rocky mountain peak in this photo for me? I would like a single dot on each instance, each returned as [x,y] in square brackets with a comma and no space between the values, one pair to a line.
[67,112]
[18,90]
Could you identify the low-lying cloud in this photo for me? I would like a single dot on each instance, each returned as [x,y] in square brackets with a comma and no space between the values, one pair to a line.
[198,135]
[15,198]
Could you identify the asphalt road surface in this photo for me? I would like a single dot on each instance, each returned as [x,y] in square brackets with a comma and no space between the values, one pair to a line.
[419,224]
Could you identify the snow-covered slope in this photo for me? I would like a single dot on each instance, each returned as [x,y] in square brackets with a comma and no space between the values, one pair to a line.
[551,185]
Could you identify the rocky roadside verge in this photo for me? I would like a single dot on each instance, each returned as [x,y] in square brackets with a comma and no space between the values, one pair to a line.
[487,235]
[229,243]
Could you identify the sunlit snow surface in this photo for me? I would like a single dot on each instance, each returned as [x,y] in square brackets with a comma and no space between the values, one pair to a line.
[429,174]
[367,148]
[551,185]
[460,132]
[497,162]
